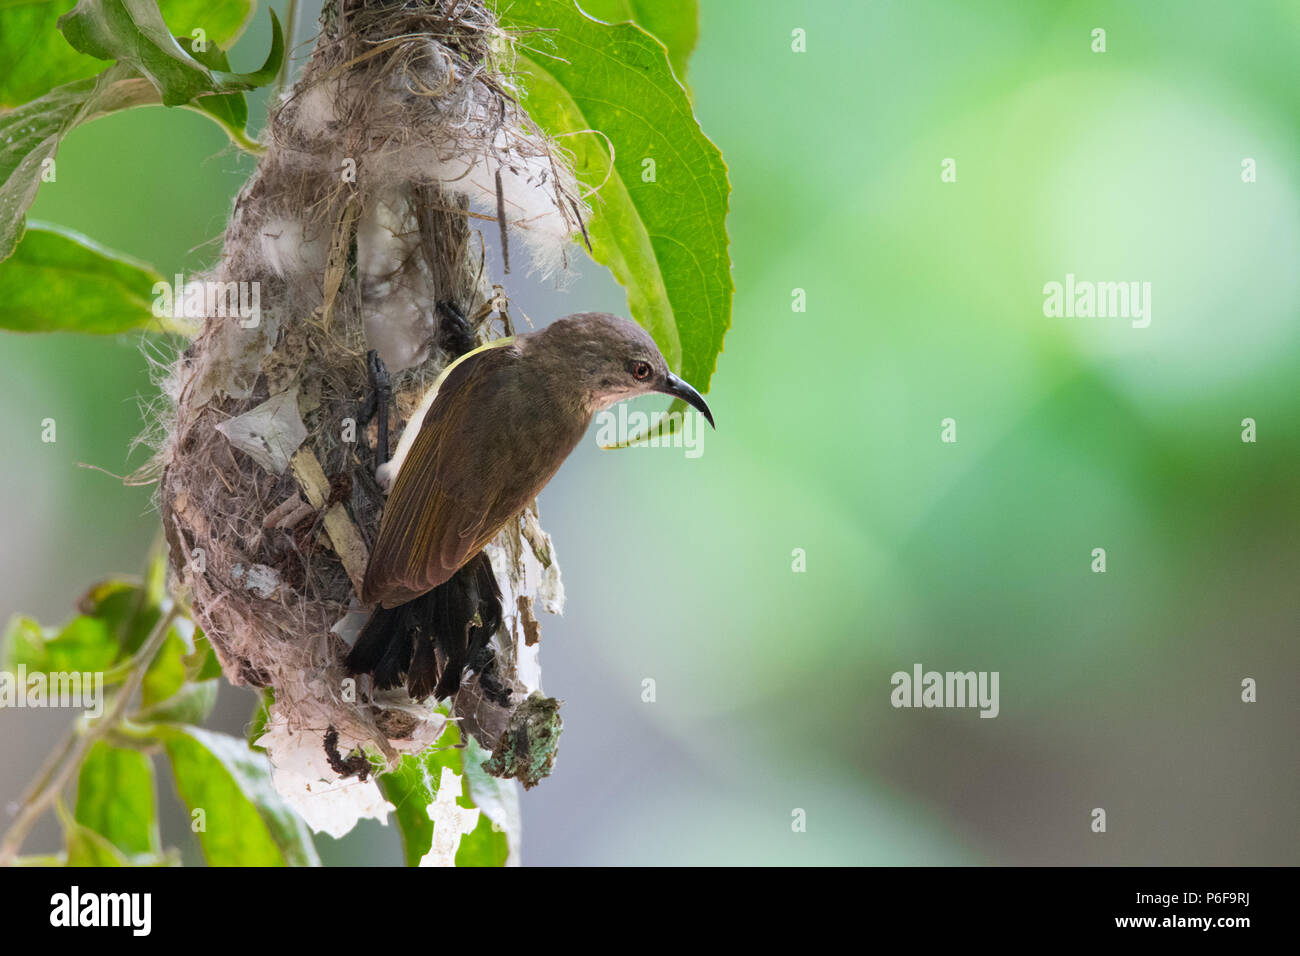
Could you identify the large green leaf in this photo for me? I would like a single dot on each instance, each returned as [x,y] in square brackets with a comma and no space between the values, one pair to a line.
[30,135]
[246,821]
[674,23]
[116,798]
[664,240]
[60,281]
[134,32]
[37,58]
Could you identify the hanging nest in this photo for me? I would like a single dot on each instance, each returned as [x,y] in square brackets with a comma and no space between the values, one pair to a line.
[354,227]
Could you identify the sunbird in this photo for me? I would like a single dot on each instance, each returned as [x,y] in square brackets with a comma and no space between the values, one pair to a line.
[491,433]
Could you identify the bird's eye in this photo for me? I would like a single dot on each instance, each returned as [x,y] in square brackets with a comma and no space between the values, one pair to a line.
[641,371]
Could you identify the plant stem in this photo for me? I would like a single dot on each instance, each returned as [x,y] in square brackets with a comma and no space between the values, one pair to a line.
[52,763]
[38,803]
[290,27]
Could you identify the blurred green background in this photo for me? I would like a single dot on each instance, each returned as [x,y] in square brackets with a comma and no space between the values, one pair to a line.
[924,302]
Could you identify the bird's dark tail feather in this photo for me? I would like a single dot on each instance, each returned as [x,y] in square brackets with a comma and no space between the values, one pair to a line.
[428,642]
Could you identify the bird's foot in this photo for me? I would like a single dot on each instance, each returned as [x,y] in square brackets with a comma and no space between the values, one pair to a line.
[376,404]
[455,336]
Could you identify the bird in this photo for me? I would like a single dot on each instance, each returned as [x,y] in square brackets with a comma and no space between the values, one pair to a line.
[490,434]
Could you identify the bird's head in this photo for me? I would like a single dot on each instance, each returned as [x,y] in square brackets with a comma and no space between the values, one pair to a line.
[611,359]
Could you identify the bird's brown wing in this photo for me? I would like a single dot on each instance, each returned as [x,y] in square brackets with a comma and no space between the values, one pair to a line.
[467,474]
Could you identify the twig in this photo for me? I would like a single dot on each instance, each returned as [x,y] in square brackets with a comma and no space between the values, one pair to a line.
[501,224]
[290,27]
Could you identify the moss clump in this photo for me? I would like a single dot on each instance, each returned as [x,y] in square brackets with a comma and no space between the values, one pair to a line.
[527,749]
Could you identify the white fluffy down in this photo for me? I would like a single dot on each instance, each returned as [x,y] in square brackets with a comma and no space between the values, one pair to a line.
[289,251]
[528,195]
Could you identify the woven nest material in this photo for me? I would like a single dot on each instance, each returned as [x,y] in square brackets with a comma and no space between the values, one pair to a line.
[356,223]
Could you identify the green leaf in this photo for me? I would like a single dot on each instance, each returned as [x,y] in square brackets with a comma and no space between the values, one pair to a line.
[202,663]
[24,643]
[190,704]
[230,110]
[665,240]
[116,798]
[413,786]
[246,823]
[166,672]
[674,23]
[134,32]
[485,845]
[43,859]
[30,135]
[85,644]
[498,798]
[261,718]
[37,58]
[130,608]
[60,281]
[85,847]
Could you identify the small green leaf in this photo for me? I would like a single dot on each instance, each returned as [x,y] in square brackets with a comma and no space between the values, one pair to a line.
[261,718]
[60,281]
[674,23]
[202,664]
[246,823]
[134,32]
[130,609]
[24,643]
[119,601]
[166,672]
[37,58]
[664,237]
[190,704]
[230,110]
[85,644]
[85,847]
[116,798]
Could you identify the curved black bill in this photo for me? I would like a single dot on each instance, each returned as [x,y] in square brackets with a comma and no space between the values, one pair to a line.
[677,388]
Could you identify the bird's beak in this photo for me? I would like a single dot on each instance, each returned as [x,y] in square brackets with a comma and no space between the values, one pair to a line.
[674,386]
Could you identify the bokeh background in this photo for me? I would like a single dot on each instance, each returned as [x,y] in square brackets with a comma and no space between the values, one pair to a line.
[924,301]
